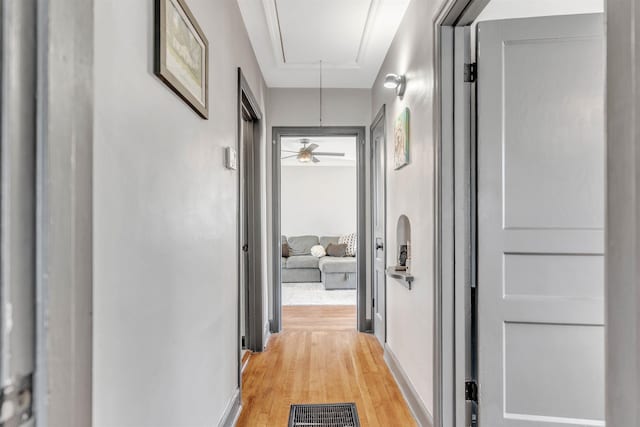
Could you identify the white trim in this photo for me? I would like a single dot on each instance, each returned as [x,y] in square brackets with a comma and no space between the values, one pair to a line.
[232,411]
[419,411]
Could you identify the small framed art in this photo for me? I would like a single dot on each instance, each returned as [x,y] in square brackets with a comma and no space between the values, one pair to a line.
[401,140]
[182,54]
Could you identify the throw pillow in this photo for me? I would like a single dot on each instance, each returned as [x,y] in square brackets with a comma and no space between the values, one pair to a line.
[351,240]
[337,250]
[318,251]
[285,250]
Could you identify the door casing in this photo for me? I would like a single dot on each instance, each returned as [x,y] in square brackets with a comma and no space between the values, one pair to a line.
[363,235]
[255,337]
[379,120]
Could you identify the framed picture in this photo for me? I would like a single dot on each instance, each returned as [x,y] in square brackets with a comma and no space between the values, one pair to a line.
[182,54]
[401,140]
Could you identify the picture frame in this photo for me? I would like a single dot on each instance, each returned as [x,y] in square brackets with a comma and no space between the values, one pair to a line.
[401,141]
[181,57]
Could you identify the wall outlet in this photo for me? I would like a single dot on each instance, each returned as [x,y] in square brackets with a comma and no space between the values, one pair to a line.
[231,158]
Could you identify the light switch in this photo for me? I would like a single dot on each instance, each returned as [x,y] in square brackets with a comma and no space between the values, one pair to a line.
[231,158]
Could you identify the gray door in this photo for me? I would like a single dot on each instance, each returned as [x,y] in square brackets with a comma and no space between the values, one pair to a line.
[541,176]
[378,201]
[246,141]
[17,210]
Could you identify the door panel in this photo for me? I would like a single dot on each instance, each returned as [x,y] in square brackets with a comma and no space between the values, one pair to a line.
[540,100]
[379,228]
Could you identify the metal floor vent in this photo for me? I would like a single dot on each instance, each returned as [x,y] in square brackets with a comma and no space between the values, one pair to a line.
[329,415]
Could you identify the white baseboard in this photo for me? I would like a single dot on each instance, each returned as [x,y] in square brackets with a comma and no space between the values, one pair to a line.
[232,411]
[420,412]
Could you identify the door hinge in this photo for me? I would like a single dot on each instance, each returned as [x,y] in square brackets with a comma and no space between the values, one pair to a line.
[470,72]
[16,402]
[373,302]
[471,391]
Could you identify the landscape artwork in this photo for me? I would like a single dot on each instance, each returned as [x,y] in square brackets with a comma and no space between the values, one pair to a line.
[182,54]
[401,140]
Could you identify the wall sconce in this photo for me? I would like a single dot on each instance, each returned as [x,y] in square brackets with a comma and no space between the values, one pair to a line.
[394,81]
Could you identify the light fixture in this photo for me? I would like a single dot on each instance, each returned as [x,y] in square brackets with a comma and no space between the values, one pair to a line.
[394,81]
[305,156]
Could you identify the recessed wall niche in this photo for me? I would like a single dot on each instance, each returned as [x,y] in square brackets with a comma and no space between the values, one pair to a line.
[401,269]
[403,237]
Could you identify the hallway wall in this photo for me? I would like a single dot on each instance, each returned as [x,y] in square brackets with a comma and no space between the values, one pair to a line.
[165,320]
[319,200]
[410,191]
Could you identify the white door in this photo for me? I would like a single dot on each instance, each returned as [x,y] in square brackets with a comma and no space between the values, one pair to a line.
[378,171]
[540,201]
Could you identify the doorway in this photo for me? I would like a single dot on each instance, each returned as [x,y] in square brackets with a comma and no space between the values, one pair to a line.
[251,331]
[522,174]
[319,234]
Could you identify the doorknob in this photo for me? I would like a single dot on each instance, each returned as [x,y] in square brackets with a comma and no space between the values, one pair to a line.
[379,245]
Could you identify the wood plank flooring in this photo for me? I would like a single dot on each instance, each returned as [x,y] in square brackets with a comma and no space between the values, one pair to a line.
[321,358]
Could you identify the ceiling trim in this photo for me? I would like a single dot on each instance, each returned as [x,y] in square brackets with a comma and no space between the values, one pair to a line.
[277,42]
[366,32]
[275,33]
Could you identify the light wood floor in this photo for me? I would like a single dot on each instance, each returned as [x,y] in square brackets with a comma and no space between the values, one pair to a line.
[321,358]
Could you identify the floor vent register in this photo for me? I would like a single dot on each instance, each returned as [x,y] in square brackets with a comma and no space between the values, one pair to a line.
[329,415]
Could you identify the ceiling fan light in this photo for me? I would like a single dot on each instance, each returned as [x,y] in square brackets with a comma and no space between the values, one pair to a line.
[305,157]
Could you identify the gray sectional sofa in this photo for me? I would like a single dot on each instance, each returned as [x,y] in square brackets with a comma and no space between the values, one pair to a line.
[301,266]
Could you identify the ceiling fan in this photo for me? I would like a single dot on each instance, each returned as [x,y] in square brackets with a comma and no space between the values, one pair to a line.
[307,152]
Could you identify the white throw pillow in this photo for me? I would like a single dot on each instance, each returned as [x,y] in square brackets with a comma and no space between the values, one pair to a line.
[351,240]
[318,251]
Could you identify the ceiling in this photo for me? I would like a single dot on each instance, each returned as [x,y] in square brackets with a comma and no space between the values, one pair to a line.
[350,37]
[345,145]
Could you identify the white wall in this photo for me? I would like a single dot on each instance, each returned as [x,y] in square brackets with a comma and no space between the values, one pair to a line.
[165,282]
[410,191]
[507,9]
[319,200]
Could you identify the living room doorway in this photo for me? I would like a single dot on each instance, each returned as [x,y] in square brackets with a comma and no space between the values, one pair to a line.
[318,225]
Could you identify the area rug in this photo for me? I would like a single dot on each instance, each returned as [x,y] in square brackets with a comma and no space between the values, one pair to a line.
[315,294]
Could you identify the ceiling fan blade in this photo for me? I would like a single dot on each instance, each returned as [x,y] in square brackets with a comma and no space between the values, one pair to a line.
[312,147]
[329,154]
[314,159]
[288,157]
[289,151]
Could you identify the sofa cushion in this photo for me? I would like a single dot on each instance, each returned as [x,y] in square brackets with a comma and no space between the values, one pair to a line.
[302,261]
[351,240]
[331,264]
[325,240]
[336,250]
[301,245]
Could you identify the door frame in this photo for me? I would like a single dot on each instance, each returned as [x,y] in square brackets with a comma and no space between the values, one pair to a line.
[454,115]
[254,292]
[379,118]
[363,236]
